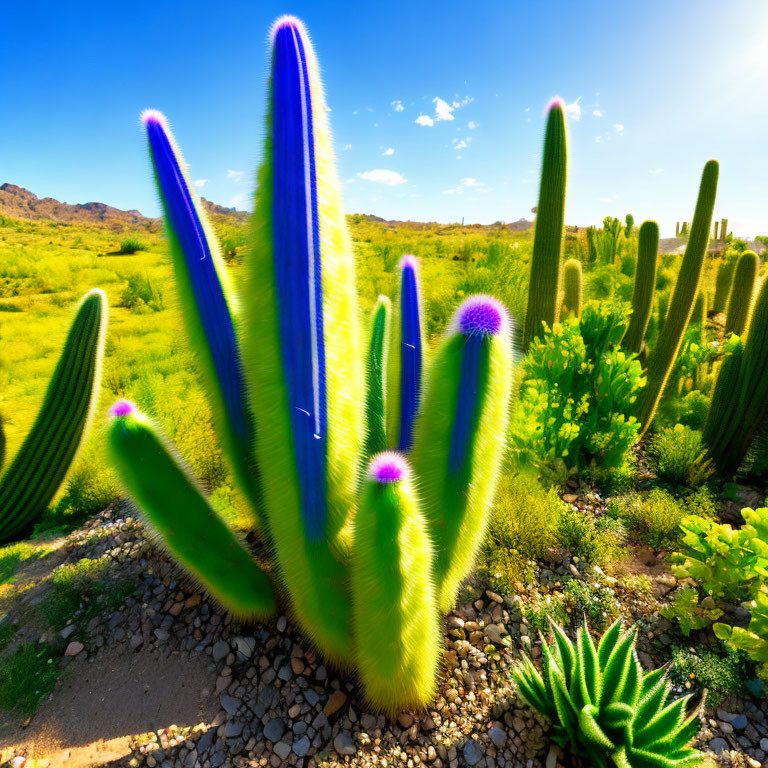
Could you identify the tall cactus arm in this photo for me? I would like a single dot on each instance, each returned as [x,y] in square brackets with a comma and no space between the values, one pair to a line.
[47,453]
[2,444]
[662,359]
[645,284]
[459,442]
[208,305]
[302,347]
[395,620]
[406,357]
[723,283]
[177,509]
[376,395]
[742,294]
[572,288]
[548,236]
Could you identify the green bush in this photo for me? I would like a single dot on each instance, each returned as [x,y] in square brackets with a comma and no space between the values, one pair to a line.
[752,640]
[679,456]
[689,612]
[593,600]
[720,675]
[131,245]
[141,294]
[577,396]
[541,610]
[595,542]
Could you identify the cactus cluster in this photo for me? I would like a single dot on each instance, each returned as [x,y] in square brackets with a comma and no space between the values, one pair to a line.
[368,545]
[44,458]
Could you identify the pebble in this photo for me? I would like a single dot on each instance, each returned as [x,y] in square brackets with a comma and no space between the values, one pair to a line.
[274,729]
[335,703]
[220,650]
[472,752]
[344,743]
[74,648]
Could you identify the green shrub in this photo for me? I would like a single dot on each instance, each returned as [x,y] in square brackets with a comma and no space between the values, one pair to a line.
[720,675]
[752,640]
[577,396]
[679,456]
[594,600]
[689,613]
[141,294]
[541,610]
[131,245]
[595,542]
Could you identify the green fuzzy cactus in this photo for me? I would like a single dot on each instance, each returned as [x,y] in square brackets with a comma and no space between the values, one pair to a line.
[629,224]
[353,555]
[592,244]
[546,260]
[604,708]
[662,359]
[742,294]
[645,285]
[396,629]
[572,288]
[41,464]
[723,283]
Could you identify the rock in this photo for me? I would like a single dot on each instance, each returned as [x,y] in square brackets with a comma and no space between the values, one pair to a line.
[739,722]
[282,750]
[335,702]
[498,736]
[67,631]
[726,717]
[472,752]
[718,745]
[74,648]
[494,634]
[229,703]
[233,730]
[301,747]
[344,744]
[274,730]
[220,650]
[245,646]
[405,719]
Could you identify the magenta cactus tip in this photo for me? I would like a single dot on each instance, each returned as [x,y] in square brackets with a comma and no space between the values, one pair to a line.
[481,315]
[555,101]
[123,408]
[388,467]
[409,261]
[153,117]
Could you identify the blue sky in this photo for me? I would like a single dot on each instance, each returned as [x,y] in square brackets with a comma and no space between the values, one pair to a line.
[654,89]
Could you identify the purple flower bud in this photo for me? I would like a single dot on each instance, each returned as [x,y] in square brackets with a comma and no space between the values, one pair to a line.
[388,467]
[481,316]
[123,408]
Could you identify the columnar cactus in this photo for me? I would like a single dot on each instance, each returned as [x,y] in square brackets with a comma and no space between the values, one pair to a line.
[572,288]
[662,359]
[714,237]
[629,224]
[546,259]
[405,366]
[645,285]
[723,229]
[742,294]
[723,283]
[592,244]
[365,571]
[41,464]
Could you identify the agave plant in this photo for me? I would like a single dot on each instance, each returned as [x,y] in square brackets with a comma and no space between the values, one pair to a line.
[604,708]
[365,561]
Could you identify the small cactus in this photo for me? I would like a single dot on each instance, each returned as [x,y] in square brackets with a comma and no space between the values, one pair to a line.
[572,288]
[645,285]
[741,299]
[376,400]
[723,283]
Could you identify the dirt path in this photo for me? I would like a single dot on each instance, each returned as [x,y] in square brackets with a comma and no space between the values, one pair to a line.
[98,706]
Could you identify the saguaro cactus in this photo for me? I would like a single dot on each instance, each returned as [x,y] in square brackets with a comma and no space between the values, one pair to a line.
[47,453]
[723,283]
[460,435]
[742,294]
[376,400]
[548,237]
[406,358]
[662,359]
[645,284]
[723,229]
[572,290]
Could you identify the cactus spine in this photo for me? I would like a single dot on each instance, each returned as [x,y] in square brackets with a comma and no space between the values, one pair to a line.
[572,290]
[209,310]
[376,401]
[662,359]
[406,358]
[742,294]
[723,283]
[176,508]
[548,237]
[50,448]
[645,285]
[460,436]
[396,632]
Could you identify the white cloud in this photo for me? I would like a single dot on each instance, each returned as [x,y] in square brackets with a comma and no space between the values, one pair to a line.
[457,102]
[238,199]
[200,183]
[346,148]
[236,176]
[471,125]
[425,120]
[656,170]
[466,183]
[397,105]
[442,109]
[598,112]
[388,151]
[573,110]
[382,176]
[460,145]
[619,127]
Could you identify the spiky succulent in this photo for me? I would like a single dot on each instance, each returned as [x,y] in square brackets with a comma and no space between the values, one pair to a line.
[603,707]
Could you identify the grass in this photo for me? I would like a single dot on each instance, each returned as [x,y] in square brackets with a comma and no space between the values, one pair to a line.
[13,555]
[27,676]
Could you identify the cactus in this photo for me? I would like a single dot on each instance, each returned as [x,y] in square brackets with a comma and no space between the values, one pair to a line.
[208,305]
[396,631]
[723,229]
[630,222]
[376,400]
[460,435]
[714,237]
[699,313]
[2,444]
[645,284]
[41,464]
[742,294]
[592,244]
[572,288]
[351,552]
[177,510]
[406,358]
[723,283]
[662,359]
[548,237]
[677,229]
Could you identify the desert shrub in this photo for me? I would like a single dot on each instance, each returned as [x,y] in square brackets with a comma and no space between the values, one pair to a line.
[690,410]
[679,456]
[577,396]
[539,611]
[720,674]
[141,294]
[523,527]
[595,542]
[131,245]
[593,601]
